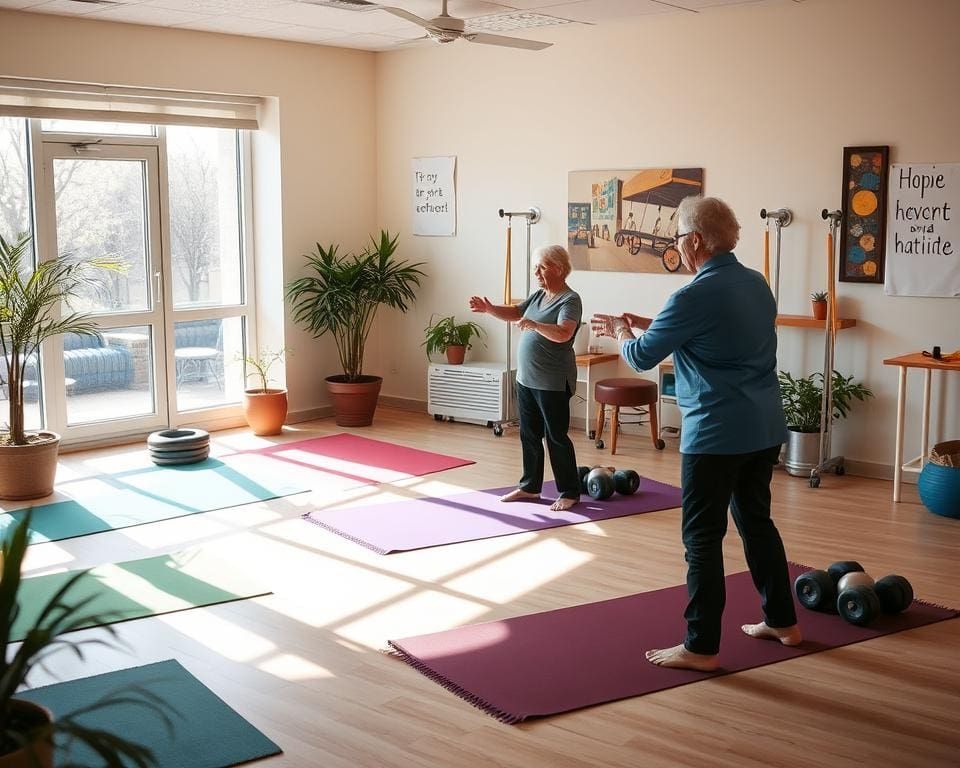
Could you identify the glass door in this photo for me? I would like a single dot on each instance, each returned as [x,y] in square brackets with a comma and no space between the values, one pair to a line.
[103,202]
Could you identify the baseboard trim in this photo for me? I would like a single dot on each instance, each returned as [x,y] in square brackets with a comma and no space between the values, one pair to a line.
[404,403]
[295,417]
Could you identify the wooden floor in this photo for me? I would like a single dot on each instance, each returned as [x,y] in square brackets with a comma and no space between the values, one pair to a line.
[303,664]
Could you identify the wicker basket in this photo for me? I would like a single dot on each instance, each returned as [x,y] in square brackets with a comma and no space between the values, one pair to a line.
[946,454]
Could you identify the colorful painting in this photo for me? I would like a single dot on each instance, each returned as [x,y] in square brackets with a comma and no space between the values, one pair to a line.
[864,214]
[625,221]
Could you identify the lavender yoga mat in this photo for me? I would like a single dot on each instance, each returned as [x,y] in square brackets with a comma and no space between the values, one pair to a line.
[361,459]
[429,522]
[551,662]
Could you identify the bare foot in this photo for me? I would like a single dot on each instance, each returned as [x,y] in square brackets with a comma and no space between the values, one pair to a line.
[562,504]
[519,495]
[786,635]
[679,657]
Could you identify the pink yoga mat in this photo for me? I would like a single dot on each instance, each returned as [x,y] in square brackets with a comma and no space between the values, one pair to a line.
[361,459]
[428,522]
[545,663]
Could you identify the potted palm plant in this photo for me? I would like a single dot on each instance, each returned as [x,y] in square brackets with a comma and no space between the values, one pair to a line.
[448,336]
[265,409]
[27,730]
[802,398]
[341,297]
[30,313]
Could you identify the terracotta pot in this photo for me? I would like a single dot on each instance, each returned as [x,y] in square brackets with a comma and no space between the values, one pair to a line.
[29,471]
[456,353]
[265,410]
[354,402]
[38,754]
[819,310]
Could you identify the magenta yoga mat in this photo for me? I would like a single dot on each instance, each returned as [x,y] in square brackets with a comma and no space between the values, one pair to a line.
[428,522]
[546,663]
[361,459]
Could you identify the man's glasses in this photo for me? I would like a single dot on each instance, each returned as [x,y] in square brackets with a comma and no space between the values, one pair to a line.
[677,238]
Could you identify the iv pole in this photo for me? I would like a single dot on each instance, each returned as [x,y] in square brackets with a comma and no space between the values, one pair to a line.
[825,461]
[531,216]
[781,217]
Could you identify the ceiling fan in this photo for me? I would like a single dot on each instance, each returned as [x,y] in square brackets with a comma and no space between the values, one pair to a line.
[443,29]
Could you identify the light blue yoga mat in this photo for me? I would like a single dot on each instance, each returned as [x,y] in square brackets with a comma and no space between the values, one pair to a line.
[148,494]
[206,732]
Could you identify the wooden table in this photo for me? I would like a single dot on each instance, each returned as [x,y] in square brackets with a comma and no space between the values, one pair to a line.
[928,365]
[585,365]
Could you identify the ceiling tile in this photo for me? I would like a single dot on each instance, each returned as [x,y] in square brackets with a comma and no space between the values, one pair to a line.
[141,14]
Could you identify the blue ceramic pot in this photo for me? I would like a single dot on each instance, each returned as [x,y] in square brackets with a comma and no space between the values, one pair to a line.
[940,489]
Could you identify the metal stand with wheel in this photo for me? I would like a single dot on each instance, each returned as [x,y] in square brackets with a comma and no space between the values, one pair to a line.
[531,216]
[826,462]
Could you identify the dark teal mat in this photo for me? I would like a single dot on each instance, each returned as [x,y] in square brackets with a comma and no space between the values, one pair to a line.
[137,496]
[206,732]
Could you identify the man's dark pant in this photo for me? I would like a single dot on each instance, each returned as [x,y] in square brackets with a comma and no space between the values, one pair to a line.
[544,413]
[711,483]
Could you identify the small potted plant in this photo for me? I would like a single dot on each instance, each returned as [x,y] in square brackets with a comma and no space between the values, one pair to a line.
[265,409]
[802,398]
[341,295]
[27,730]
[449,336]
[818,300]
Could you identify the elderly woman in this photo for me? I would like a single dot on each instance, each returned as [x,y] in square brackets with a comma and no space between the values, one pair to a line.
[720,329]
[546,375]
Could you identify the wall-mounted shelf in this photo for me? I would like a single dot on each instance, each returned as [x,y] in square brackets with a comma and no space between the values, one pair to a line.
[806,321]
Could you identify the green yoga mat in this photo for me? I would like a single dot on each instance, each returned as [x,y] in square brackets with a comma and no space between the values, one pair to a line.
[206,732]
[149,494]
[140,588]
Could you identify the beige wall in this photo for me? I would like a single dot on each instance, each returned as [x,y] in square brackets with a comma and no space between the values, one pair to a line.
[764,98]
[314,161]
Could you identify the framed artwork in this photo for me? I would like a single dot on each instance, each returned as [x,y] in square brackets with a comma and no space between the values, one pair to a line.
[864,214]
[625,221]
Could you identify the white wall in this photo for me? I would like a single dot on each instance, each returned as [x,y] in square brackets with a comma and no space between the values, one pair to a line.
[764,98]
[314,159]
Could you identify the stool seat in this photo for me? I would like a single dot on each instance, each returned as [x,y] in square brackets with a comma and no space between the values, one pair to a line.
[626,392]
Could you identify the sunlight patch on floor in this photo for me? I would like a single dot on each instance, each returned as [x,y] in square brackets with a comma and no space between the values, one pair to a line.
[292,668]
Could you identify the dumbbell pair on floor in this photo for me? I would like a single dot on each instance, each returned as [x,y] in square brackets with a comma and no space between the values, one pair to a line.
[600,482]
[845,588]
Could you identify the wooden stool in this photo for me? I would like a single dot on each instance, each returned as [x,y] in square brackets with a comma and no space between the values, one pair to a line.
[628,392]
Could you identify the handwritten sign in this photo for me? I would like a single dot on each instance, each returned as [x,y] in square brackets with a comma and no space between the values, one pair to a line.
[923,230]
[434,196]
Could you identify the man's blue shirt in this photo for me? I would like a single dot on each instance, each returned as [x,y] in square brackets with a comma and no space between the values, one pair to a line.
[720,328]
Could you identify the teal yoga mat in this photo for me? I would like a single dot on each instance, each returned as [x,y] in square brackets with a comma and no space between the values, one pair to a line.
[140,588]
[148,494]
[206,732]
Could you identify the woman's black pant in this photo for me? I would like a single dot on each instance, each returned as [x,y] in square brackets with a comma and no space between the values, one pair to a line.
[546,414]
[711,483]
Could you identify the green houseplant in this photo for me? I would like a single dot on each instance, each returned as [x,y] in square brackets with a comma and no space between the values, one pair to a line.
[27,730]
[264,408]
[802,398]
[30,313]
[448,336]
[341,296]
[818,303]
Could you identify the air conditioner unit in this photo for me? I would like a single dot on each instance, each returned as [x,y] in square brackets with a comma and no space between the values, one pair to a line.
[472,392]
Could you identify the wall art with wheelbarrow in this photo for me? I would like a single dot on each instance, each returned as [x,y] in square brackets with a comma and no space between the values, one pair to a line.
[626,221]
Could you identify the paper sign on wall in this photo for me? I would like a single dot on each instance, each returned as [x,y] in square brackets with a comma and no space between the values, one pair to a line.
[923,230]
[434,196]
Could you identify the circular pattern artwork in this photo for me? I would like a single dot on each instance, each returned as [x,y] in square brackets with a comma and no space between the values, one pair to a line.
[864,211]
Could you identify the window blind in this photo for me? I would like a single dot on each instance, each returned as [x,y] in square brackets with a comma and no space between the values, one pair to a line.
[27,97]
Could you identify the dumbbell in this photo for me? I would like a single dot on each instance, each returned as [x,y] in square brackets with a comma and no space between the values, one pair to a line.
[857,601]
[817,590]
[600,482]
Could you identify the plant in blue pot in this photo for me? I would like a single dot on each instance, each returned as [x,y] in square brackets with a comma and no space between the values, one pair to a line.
[939,483]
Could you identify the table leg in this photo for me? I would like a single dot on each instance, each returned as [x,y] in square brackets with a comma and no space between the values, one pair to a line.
[925,424]
[898,451]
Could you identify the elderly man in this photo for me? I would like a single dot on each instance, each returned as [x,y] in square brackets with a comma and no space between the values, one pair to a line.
[720,330]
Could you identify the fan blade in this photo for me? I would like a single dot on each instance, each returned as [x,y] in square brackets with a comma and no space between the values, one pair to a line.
[508,42]
[412,40]
[363,5]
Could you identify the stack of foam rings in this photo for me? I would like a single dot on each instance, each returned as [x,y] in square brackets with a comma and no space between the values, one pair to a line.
[183,445]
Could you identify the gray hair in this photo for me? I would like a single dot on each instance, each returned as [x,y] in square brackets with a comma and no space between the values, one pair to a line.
[557,256]
[713,219]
